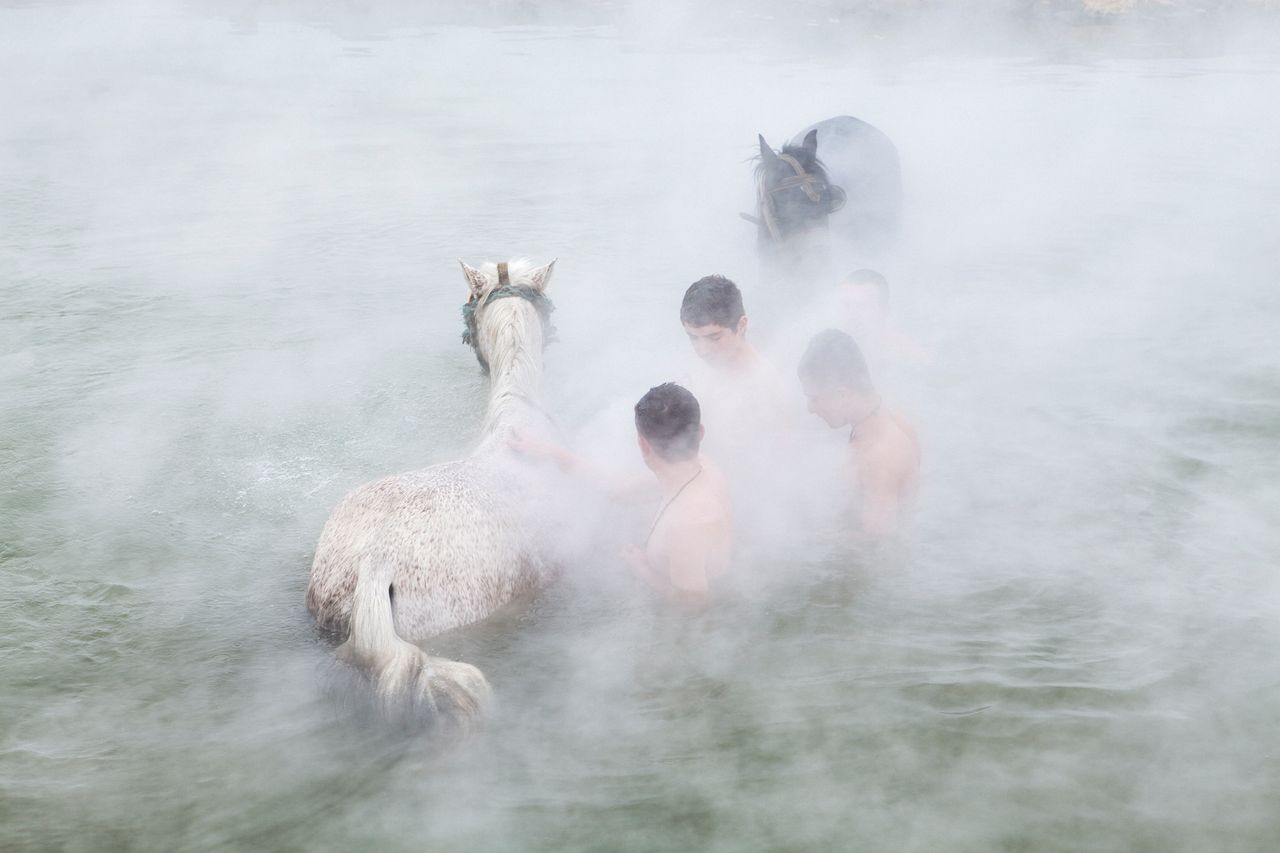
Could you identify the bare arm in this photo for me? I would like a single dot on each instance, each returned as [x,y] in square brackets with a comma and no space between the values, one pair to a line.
[524,443]
[881,499]
[618,488]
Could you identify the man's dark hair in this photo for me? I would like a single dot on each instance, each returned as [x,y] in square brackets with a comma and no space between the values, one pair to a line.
[833,359]
[668,417]
[712,301]
[871,278]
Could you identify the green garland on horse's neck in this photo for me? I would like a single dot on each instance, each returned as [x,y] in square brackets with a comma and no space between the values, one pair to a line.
[541,304]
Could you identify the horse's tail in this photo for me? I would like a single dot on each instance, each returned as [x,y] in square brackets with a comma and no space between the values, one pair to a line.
[404,677]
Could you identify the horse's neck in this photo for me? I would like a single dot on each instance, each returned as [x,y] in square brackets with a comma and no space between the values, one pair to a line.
[515,388]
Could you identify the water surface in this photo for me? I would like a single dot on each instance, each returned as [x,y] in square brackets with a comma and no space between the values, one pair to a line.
[228,295]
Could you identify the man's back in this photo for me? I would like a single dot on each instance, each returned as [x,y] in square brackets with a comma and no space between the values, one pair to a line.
[692,532]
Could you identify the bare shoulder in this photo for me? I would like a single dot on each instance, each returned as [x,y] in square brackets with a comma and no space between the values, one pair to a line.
[711,474]
[709,501]
[715,479]
[895,450]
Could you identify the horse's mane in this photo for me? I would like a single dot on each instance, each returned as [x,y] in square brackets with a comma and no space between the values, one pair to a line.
[507,326]
[514,331]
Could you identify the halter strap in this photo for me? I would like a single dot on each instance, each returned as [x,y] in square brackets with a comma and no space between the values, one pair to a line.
[473,306]
[803,179]
[504,280]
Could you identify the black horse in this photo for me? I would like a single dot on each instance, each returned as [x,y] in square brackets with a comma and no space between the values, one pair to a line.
[843,207]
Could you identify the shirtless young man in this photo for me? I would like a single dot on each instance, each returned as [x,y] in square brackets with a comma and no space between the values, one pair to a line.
[690,538]
[884,453]
[743,396]
[716,323]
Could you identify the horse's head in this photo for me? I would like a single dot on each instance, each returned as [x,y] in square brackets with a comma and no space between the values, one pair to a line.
[793,192]
[495,323]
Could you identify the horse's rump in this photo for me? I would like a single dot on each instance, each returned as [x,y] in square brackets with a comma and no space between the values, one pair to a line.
[455,540]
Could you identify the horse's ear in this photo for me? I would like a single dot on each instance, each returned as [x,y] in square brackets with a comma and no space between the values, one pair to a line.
[475,279]
[810,143]
[541,277]
[766,153]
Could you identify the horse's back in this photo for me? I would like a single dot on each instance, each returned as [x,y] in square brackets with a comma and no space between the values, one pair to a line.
[844,128]
[455,540]
[863,161]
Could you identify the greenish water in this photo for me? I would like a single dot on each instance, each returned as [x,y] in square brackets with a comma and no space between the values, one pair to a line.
[228,295]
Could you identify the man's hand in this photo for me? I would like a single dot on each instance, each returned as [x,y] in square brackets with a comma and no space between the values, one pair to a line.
[522,442]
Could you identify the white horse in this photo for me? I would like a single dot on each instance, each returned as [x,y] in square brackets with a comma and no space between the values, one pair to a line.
[406,558]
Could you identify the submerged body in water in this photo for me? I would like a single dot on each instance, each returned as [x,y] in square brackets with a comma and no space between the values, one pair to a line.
[409,557]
